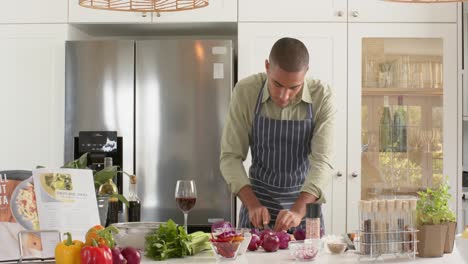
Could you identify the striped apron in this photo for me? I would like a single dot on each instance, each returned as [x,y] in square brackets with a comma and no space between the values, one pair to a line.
[280,150]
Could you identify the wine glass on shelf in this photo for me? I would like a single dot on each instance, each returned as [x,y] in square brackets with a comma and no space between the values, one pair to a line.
[186,196]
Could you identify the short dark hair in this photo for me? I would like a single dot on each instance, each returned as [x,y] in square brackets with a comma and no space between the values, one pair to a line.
[290,55]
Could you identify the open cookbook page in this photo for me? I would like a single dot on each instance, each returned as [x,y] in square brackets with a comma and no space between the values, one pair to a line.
[66,200]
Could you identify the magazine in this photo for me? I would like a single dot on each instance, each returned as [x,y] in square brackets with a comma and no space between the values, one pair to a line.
[44,199]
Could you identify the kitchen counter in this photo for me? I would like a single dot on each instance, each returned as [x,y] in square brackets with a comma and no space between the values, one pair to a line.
[282,256]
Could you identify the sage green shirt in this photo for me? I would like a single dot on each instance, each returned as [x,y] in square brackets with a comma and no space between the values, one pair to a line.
[238,129]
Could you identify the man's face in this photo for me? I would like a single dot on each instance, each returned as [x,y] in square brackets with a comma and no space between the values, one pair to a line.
[282,85]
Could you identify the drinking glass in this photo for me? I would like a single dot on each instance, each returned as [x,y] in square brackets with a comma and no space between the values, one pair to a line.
[186,196]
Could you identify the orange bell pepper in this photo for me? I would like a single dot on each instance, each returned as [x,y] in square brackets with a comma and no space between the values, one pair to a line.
[103,236]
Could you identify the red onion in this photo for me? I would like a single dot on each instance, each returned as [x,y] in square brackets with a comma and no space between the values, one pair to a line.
[117,257]
[284,239]
[264,232]
[132,255]
[299,234]
[255,242]
[270,242]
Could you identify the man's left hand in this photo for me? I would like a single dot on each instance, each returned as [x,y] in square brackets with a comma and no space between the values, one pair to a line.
[287,219]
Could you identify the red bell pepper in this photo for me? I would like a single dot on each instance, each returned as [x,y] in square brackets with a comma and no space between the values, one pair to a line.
[96,254]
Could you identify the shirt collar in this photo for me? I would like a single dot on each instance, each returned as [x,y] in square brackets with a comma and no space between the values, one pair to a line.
[305,93]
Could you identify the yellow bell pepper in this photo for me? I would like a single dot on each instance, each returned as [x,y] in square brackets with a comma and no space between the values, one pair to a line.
[68,251]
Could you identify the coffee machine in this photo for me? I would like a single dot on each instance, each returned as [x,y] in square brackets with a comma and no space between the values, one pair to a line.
[99,145]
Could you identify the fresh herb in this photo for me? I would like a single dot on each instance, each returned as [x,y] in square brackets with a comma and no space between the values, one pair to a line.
[432,206]
[171,241]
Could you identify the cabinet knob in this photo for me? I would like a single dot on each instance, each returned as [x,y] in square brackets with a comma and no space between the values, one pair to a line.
[339,174]
[355,13]
[158,14]
[354,174]
[143,14]
[340,13]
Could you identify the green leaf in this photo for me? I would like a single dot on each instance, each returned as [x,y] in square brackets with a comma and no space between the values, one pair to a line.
[105,174]
[121,198]
[80,163]
[433,205]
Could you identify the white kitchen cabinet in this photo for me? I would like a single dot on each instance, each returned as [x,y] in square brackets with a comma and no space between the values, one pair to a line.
[216,11]
[384,11]
[292,10]
[327,48]
[32,71]
[79,14]
[414,68]
[344,10]
[33,11]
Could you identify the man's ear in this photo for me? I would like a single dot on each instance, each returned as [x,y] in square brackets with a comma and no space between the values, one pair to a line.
[267,66]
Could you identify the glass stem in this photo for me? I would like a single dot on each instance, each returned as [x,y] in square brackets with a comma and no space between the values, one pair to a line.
[185,222]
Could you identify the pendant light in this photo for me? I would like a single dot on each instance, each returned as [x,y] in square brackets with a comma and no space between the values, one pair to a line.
[426,1]
[144,5]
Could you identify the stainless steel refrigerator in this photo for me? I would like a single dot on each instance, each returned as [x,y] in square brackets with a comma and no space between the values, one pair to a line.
[168,100]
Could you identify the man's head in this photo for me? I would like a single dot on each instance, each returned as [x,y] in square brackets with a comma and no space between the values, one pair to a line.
[286,68]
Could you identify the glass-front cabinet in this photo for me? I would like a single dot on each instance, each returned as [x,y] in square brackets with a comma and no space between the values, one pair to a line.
[402,87]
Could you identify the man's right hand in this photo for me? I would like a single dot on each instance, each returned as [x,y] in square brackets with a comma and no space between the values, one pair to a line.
[258,214]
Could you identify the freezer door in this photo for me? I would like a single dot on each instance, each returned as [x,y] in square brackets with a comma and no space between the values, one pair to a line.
[182,97]
[99,92]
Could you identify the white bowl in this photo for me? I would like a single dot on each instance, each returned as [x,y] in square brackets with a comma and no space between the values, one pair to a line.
[133,233]
[462,247]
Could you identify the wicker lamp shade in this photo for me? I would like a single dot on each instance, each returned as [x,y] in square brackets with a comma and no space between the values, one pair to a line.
[426,1]
[144,5]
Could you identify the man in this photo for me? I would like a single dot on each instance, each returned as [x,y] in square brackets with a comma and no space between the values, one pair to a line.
[288,123]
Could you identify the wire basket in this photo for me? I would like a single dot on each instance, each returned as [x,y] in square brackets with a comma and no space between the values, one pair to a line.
[392,243]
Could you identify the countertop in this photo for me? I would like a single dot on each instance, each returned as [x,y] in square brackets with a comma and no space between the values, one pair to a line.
[282,256]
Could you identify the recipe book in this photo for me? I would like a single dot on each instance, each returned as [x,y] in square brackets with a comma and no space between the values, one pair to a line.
[44,199]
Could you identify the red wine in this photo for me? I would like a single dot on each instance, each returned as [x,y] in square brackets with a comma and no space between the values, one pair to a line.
[186,203]
[134,211]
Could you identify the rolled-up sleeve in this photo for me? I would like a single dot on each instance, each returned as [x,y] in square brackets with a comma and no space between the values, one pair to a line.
[322,146]
[235,143]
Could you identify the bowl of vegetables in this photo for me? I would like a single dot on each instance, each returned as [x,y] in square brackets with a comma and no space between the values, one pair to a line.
[225,240]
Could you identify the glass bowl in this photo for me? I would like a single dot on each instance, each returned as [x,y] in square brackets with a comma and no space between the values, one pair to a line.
[336,247]
[133,233]
[245,243]
[226,250]
[305,250]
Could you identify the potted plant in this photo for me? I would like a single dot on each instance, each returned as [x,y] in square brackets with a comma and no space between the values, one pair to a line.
[436,222]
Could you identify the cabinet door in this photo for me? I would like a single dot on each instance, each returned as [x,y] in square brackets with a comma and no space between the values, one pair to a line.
[327,48]
[79,14]
[292,10]
[32,11]
[216,11]
[383,11]
[402,130]
[32,88]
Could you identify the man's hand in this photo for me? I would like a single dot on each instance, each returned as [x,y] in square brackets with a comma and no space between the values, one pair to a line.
[287,219]
[259,216]
[292,218]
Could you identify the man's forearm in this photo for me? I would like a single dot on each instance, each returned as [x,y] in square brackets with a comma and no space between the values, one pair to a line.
[248,198]
[300,204]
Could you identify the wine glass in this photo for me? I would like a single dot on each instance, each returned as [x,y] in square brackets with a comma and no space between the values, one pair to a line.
[186,196]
